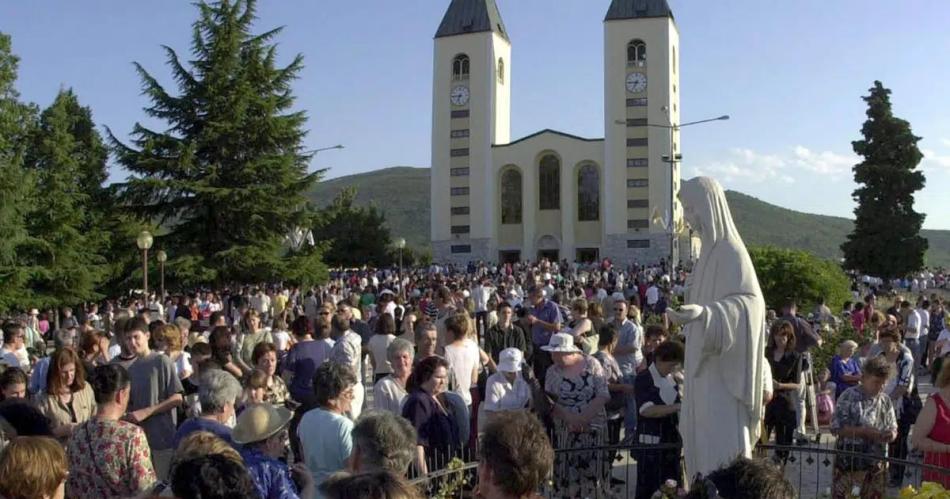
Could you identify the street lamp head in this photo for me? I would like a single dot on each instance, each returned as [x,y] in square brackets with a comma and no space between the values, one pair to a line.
[144,240]
[400,243]
[161,256]
[340,146]
[723,117]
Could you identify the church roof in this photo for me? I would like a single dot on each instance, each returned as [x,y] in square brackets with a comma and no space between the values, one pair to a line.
[635,9]
[471,16]
[548,130]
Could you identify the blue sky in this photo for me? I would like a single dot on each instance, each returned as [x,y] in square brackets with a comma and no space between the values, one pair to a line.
[790,73]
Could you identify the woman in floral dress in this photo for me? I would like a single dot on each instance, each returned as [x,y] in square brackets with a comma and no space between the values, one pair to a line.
[109,457]
[864,423]
[578,386]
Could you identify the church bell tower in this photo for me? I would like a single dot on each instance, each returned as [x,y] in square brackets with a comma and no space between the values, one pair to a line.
[641,88]
[471,105]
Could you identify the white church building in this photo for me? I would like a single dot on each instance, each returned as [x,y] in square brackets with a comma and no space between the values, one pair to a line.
[552,194]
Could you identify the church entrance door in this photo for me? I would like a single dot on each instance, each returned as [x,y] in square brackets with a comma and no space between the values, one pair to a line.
[551,255]
[587,255]
[513,256]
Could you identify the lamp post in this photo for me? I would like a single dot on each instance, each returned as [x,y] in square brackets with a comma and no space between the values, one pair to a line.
[400,243]
[314,151]
[144,242]
[672,159]
[161,257]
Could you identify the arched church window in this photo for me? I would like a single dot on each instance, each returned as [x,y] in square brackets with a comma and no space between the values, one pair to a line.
[549,183]
[636,53]
[460,67]
[588,193]
[501,70]
[511,197]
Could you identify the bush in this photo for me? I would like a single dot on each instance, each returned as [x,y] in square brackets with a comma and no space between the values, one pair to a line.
[831,338]
[799,275]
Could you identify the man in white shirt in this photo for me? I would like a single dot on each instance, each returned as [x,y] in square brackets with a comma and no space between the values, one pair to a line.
[481,293]
[629,355]
[653,295]
[348,351]
[387,303]
[912,325]
[13,336]
[506,390]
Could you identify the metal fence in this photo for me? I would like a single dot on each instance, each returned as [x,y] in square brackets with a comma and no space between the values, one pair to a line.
[618,471]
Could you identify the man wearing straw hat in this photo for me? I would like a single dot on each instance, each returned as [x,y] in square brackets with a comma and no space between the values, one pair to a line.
[262,431]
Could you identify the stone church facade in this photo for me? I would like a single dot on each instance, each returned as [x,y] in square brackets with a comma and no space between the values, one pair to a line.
[552,194]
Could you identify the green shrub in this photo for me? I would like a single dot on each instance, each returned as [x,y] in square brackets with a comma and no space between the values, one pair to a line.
[831,339]
[785,274]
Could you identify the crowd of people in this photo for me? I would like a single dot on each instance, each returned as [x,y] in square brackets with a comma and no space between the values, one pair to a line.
[381,376]
[867,394]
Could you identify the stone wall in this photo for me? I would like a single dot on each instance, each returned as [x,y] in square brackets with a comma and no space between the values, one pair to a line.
[442,251]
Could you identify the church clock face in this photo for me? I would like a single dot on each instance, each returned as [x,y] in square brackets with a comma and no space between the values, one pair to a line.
[636,82]
[459,95]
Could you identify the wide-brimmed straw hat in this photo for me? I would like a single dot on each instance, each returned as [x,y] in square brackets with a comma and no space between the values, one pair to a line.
[561,342]
[260,422]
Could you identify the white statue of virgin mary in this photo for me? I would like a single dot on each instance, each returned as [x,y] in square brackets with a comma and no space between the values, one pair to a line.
[724,324]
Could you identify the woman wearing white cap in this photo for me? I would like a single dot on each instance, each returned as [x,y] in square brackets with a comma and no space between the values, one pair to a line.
[506,390]
[578,386]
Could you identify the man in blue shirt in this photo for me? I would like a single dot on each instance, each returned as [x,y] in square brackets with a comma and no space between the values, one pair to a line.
[218,391]
[544,317]
[629,355]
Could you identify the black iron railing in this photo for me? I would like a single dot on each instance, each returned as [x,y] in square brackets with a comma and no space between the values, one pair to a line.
[615,471]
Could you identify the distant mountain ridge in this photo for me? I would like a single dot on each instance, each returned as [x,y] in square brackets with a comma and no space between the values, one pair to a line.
[403,194]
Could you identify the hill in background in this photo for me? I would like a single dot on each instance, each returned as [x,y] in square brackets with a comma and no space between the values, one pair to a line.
[402,193]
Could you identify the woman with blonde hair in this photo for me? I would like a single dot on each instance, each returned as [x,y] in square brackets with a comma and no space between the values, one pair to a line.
[582,328]
[33,468]
[845,369]
[68,400]
[255,388]
[171,337]
[633,313]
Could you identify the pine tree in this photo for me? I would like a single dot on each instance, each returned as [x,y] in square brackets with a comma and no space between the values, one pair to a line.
[226,178]
[16,184]
[68,159]
[356,235]
[886,239]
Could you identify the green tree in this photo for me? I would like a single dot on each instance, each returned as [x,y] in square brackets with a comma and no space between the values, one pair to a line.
[886,239]
[357,235]
[795,274]
[68,158]
[17,185]
[226,178]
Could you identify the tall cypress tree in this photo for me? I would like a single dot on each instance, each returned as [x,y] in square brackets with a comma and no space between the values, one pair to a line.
[16,184]
[226,178]
[886,239]
[68,158]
